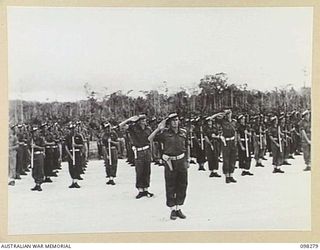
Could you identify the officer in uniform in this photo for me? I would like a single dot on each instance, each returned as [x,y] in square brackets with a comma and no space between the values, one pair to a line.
[73,146]
[244,147]
[275,136]
[305,128]
[37,158]
[229,150]
[212,139]
[139,133]
[109,147]
[174,141]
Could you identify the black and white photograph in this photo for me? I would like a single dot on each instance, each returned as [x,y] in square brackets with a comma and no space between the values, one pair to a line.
[159,119]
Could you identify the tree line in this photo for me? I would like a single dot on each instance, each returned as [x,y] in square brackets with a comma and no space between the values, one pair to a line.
[213,95]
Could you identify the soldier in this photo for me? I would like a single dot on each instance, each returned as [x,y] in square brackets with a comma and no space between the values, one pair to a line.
[83,150]
[212,139]
[37,158]
[122,142]
[139,133]
[50,145]
[99,143]
[285,139]
[21,152]
[110,152]
[73,145]
[156,146]
[130,153]
[305,128]
[298,138]
[13,147]
[57,135]
[174,141]
[229,149]
[275,136]
[190,136]
[244,146]
[259,140]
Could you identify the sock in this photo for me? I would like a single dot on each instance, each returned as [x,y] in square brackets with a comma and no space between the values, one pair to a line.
[178,207]
[173,208]
[140,189]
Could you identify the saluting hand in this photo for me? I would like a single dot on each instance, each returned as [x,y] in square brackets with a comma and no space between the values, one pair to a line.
[133,118]
[162,124]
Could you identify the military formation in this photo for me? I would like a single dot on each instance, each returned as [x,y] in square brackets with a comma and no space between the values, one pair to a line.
[173,142]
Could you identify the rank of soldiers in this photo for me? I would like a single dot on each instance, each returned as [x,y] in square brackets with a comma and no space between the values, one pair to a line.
[172,142]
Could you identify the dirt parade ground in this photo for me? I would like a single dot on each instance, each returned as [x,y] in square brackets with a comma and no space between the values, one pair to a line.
[265,201]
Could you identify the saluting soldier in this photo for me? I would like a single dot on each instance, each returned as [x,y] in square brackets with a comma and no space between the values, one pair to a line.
[73,146]
[244,147]
[37,159]
[139,133]
[212,139]
[174,140]
[275,136]
[305,128]
[229,150]
[109,147]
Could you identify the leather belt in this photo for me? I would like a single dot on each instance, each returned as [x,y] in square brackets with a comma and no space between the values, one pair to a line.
[143,148]
[230,138]
[37,152]
[243,139]
[173,158]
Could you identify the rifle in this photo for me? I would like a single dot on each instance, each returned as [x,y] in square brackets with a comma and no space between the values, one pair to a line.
[201,138]
[109,150]
[279,136]
[246,142]
[32,151]
[260,137]
[73,153]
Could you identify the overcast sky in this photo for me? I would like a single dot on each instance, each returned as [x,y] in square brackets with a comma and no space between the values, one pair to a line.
[53,52]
